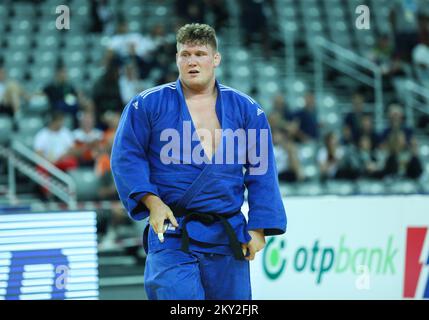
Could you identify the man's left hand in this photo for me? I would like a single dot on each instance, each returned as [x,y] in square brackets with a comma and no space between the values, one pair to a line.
[256,244]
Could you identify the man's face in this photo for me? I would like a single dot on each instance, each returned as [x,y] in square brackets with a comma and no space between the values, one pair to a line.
[57,124]
[309,102]
[358,103]
[62,75]
[367,124]
[196,64]
[87,122]
[395,115]
[279,103]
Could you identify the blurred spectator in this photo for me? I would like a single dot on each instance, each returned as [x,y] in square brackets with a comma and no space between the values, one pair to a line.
[262,27]
[102,165]
[11,95]
[423,123]
[404,23]
[164,50]
[111,120]
[280,108]
[396,118]
[146,52]
[281,118]
[106,93]
[86,139]
[115,222]
[382,53]
[391,64]
[129,83]
[125,45]
[335,161]
[63,96]
[329,156]
[370,159]
[403,160]
[368,131]
[346,136]
[286,155]
[353,119]
[170,76]
[220,13]
[101,17]
[56,144]
[421,62]
[307,120]
[256,28]
[190,11]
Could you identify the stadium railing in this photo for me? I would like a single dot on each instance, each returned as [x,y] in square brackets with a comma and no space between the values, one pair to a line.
[351,64]
[26,161]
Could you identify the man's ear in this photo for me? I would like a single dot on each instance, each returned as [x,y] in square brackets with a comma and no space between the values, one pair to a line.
[217,59]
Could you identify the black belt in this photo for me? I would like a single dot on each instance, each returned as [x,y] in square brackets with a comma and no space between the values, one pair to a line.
[209,218]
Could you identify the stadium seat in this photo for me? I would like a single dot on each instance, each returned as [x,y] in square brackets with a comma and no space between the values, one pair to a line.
[38,105]
[340,187]
[424,150]
[306,188]
[371,187]
[311,171]
[87,183]
[25,138]
[42,76]
[30,125]
[17,42]
[16,59]
[307,152]
[15,73]
[402,187]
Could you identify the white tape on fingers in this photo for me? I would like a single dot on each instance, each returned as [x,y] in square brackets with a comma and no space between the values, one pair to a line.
[161,237]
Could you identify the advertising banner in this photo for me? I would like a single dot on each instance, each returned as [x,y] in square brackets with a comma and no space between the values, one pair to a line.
[347,248]
[48,255]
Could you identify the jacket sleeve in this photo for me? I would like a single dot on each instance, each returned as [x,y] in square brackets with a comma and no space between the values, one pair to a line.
[129,159]
[266,210]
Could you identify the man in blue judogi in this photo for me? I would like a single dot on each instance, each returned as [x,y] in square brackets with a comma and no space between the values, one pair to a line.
[183,155]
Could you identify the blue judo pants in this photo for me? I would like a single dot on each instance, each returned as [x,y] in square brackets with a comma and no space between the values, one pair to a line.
[171,274]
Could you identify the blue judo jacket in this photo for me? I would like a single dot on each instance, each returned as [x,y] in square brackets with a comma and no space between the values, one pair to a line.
[157,151]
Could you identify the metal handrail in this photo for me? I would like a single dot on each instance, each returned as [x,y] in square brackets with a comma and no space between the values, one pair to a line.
[348,62]
[39,160]
[417,89]
[411,89]
[18,148]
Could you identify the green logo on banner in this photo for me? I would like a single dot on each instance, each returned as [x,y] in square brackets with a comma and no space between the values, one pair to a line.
[272,261]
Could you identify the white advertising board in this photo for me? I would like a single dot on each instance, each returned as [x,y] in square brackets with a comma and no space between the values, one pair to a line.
[347,248]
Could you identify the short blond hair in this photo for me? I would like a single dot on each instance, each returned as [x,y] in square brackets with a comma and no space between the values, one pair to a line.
[197,33]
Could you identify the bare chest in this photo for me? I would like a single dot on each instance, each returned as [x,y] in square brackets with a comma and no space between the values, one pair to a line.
[206,123]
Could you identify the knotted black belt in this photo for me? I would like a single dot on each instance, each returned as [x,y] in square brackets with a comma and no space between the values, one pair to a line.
[209,218]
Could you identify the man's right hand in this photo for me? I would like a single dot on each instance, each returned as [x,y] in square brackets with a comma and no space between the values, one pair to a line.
[159,212]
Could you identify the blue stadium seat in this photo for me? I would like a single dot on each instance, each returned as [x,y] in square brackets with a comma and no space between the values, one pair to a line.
[340,187]
[87,183]
[371,187]
[30,124]
[25,138]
